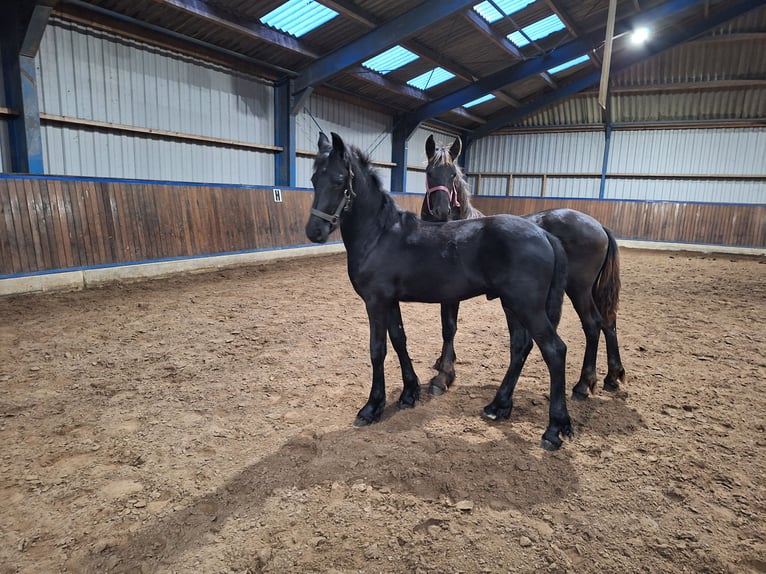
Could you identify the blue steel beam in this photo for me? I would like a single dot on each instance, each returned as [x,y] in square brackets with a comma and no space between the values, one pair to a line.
[22,26]
[284,135]
[385,36]
[732,10]
[539,64]
[399,150]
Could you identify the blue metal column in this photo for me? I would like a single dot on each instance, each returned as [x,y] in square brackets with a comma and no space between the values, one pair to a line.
[21,30]
[399,156]
[284,135]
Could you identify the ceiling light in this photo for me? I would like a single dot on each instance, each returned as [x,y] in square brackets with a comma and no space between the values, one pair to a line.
[640,35]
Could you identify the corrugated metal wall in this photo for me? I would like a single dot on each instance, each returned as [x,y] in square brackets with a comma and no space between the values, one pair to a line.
[368,130]
[88,75]
[579,152]
[700,152]
[676,165]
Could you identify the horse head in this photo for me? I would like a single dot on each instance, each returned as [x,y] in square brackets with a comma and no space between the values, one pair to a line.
[333,188]
[443,177]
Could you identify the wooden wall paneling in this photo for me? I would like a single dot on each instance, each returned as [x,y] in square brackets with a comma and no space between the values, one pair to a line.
[196,226]
[53,223]
[30,205]
[89,224]
[21,225]
[111,221]
[99,216]
[183,200]
[10,262]
[122,199]
[64,196]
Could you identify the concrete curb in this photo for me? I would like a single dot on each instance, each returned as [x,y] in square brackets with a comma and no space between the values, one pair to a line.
[84,278]
[81,279]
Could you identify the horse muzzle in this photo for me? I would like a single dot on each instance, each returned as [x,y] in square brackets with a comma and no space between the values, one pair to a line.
[318,230]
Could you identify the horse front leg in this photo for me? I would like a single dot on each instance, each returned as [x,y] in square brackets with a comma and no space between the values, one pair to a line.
[378,314]
[445,364]
[411,392]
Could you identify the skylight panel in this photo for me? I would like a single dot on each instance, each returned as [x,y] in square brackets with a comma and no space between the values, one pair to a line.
[489,10]
[431,78]
[391,59]
[537,30]
[298,17]
[477,101]
[569,64]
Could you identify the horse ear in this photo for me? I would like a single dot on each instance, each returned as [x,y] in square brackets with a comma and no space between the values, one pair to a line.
[337,143]
[324,143]
[430,147]
[457,147]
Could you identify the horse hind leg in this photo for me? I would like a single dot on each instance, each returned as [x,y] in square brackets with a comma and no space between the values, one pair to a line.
[445,364]
[616,372]
[521,344]
[411,392]
[590,320]
[554,352]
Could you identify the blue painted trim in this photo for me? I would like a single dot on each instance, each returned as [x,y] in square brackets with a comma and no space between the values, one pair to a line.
[164,260]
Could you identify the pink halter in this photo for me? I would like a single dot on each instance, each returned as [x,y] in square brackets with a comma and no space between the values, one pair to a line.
[452,194]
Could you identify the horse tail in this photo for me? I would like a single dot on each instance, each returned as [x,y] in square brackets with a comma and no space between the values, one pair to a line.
[606,288]
[558,282]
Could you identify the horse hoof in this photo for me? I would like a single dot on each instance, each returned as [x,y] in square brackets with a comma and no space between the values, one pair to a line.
[361,422]
[611,385]
[436,390]
[549,446]
[579,395]
[488,416]
[406,405]
[492,413]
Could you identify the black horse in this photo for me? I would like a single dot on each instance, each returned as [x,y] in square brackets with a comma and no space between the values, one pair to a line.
[394,256]
[593,281]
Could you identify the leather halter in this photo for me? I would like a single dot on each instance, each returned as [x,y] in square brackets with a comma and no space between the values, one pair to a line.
[452,194]
[345,204]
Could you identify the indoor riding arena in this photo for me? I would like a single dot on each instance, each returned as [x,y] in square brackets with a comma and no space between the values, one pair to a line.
[216,281]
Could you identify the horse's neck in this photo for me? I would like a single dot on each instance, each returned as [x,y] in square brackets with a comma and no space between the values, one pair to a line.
[367,218]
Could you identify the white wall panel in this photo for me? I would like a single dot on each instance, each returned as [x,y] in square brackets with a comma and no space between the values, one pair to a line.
[99,154]
[701,152]
[573,187]
[368,130]
[89,75]
[568,152]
